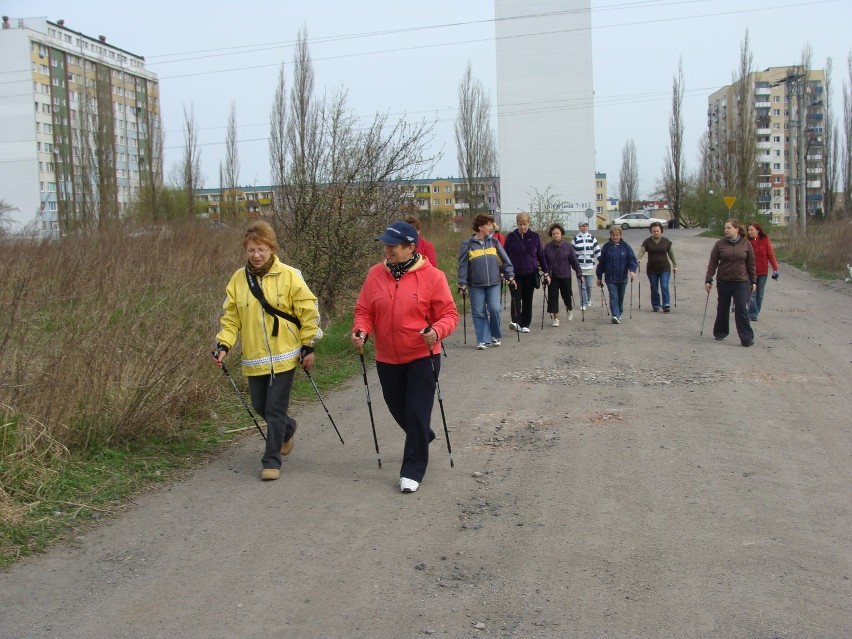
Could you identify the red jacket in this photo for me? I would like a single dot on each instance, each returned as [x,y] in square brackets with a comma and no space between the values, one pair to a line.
[395,312]
[427,249]
[763,255]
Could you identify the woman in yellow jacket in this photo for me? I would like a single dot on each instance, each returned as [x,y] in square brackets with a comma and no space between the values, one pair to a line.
[278,333]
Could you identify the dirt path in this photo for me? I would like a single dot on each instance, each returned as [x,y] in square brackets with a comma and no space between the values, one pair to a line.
[609,481]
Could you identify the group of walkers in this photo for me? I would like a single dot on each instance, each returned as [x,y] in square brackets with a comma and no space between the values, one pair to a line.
[406,306]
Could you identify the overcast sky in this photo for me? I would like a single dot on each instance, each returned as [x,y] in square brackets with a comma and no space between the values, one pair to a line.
[405,57]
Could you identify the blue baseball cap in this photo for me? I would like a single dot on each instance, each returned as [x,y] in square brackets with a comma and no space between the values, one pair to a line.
[399,233]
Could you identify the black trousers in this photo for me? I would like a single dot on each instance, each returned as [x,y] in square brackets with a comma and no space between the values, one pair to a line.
[559,286]
[409,392]
[739,293]
[270,398]
[522,309]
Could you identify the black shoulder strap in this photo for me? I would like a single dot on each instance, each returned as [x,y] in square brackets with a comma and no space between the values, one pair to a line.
[254,287]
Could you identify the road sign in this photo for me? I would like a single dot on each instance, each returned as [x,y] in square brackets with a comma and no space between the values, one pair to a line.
[730,202]
[590,213]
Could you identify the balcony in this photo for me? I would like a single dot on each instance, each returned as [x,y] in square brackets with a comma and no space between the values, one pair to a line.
[764,145]
[762,105]
[764,131]
[763,91]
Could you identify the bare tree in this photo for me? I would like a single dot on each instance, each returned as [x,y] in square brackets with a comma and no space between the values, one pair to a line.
[477,156]
[151,167]
[847,139]
[674,169]
[189,172]
[278,145]
[232,162]
[830,148]
[628,179]
[5,220]
[544,209]
[745,140]
[341,182]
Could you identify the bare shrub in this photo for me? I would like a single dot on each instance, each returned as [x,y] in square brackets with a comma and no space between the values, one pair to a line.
[825,250]
[103,338]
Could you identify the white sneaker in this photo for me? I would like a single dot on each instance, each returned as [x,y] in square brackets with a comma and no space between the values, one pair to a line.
[407,485]
[555,321]
[615,320]
[525,329]
[496,342]
[570,315]
[583,307]
[481,346]
[514,327]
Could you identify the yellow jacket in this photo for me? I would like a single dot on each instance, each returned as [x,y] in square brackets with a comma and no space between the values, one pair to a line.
[284,289]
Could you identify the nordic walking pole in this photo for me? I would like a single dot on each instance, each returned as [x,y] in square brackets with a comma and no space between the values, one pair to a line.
[322,401]
[674,275]
[543,302]
[440,397]
[370,405]
[240,395]
[464,313]
[638,271]
[582,286]
[705,313]
[631,297]
[603,300]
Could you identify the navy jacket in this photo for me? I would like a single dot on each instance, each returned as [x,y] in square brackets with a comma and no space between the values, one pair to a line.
[526,252]
[615,261]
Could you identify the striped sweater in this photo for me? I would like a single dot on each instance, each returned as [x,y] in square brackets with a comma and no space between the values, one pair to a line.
[588,250]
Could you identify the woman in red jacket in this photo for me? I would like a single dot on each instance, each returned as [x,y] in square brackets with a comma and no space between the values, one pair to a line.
[764,256]
[407,306]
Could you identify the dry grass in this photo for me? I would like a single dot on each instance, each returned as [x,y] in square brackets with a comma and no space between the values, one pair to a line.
[825,251]
[102,338]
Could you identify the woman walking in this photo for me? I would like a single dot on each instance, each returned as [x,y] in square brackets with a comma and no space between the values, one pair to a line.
[561,260]
[616,266]
[732,262]
[406,304]
[527,255]
[482,264]
[268,303]
[588,250]
[661,265]
[764,256]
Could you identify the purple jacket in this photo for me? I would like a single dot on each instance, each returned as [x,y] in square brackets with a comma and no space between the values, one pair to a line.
[526,252]
[561,259]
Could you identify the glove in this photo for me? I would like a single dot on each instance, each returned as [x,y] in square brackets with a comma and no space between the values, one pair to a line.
[775,275]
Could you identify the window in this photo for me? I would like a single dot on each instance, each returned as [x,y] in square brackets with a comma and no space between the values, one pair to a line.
[776,125]
[776,206]
[776,98]
[776,112]
[777,166]
[436,202]
[448,201]
[776,138]
[448,189]
[435,189]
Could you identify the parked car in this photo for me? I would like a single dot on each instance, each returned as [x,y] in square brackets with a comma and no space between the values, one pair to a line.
[637,221]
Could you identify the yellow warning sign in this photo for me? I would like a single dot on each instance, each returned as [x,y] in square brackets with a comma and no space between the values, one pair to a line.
[730,202]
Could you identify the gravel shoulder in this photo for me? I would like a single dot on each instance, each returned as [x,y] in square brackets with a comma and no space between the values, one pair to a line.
[638,480]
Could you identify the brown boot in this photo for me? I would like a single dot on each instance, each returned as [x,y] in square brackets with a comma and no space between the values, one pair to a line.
[270,474]
[287,446]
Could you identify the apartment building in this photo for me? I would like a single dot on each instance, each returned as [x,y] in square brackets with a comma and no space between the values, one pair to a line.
[789,146]
[79,127]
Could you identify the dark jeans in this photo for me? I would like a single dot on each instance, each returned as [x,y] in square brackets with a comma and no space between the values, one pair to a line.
[270,398]
[522,308]
[409,392]
[616,297]
[757,299]
[559,286]
[738,292]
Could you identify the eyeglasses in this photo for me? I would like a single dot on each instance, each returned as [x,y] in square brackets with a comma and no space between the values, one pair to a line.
[258,251]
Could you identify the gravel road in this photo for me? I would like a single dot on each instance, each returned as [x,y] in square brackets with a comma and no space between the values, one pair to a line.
[610,481]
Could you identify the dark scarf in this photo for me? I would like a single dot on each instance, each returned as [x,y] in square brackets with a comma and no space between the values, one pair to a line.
[401,268]
[260,271]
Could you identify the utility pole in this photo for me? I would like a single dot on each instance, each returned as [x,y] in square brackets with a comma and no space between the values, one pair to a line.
[798,185]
